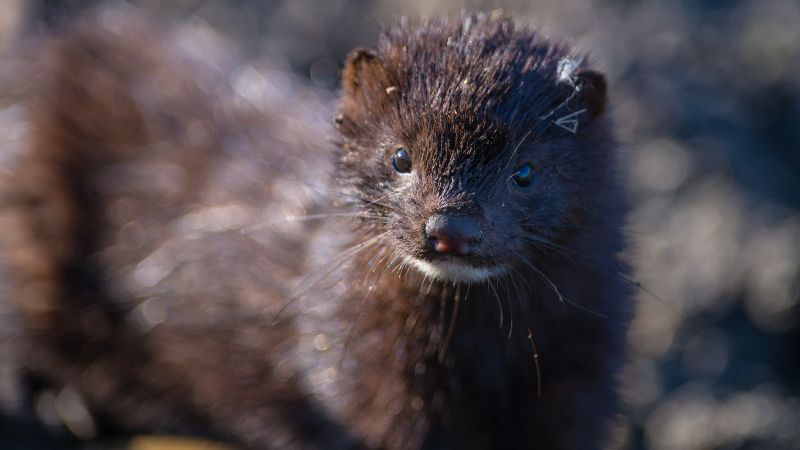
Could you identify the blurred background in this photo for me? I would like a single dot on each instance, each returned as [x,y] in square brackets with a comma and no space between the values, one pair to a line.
[707,101]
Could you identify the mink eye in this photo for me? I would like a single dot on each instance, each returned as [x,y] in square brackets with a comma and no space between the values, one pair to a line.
[401,160]
[524,175]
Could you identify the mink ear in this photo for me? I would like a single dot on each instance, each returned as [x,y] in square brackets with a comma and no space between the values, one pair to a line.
[593,91]
[365,87]
[362,68]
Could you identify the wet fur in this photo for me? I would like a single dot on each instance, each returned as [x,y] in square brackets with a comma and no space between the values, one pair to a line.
[319,333]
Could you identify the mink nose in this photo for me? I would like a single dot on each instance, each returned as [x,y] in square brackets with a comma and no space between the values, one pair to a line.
[450,234]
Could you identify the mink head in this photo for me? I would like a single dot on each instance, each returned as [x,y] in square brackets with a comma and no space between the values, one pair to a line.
[471,144]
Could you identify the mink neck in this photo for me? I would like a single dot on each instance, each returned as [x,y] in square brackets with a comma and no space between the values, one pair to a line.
[427,338]
[431,322]
[429,318]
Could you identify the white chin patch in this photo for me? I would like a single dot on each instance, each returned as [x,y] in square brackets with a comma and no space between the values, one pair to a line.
[451,271]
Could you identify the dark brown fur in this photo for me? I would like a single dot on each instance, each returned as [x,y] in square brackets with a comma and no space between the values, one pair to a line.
[471,99]
[365,351]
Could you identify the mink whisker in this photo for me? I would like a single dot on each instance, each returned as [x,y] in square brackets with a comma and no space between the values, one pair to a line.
[499,304]
[341,256]
[561,297]
[306,218]
[511,277]
[546,278]
[368,289]
[308,283]
[351,331]
[511,158]
[377,200]
[534,349]
[591,227]
[451,327]
[627,279]
[503,286]
[518,275]
[536,363]
[440,324]
[430,285]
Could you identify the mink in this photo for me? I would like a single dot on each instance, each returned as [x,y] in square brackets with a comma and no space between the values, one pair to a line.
[438,270]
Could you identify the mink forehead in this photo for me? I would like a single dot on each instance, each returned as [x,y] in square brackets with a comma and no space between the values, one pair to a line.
[469,87]
[449,136]
[473,65]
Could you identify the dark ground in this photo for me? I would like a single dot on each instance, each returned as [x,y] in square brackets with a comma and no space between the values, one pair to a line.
[707,97]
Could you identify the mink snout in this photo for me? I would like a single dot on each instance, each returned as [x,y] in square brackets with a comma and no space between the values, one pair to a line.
[453,234]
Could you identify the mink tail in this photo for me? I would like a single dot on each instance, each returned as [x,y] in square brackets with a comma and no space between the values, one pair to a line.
[122,133]
[85,100]
[82,119]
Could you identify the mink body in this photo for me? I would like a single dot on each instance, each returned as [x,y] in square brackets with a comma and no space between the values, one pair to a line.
[156,274]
